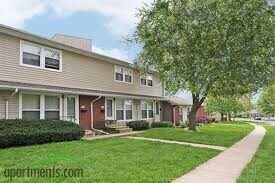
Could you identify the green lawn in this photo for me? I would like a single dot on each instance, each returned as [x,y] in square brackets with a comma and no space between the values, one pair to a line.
[262,167]
[222,134]
[107,160]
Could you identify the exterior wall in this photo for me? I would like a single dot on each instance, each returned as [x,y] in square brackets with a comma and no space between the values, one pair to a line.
[13,104]
[175,114]
[98,113]
[166,111]
[184,114]
[82,43]
[201,112]
[78,71]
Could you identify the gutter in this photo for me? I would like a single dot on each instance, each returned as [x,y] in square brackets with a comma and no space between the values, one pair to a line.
[92,116]
[7,103]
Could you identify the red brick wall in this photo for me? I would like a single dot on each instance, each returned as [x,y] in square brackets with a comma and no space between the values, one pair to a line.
[201,112]
[176,117]
[98,113]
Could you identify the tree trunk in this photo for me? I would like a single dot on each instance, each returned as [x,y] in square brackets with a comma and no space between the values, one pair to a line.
[222,117]
[192,115]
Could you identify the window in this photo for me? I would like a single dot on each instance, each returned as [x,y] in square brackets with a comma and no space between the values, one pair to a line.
[52,107]
[149,81]
[157,108]
[181,113]
[52,59]
[31,55]
[128,108]
[40,57]
[36,106]
[30,106]
[109,108]
[123,74]
[124,109]
[119,109]
[143,81]
[146,81]
[150,110]
[147,109]
[71,109]
[143,109]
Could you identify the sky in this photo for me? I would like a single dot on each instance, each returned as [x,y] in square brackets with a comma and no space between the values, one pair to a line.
[106,22]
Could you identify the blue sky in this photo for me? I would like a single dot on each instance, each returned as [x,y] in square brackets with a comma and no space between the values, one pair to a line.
[105,22]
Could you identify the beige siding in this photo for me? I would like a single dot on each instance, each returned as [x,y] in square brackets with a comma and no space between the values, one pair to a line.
[13,105]
[78,72]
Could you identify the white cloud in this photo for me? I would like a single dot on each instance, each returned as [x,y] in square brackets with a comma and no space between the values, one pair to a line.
[120,14]
[115,53]
[15,12]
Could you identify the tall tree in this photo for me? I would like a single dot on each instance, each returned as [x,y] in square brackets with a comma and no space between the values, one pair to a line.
[207,47]
[224,105]
[266,101]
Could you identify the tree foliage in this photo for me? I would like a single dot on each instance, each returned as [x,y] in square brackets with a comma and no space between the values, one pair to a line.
[207,47]
[267,100]
[223,105]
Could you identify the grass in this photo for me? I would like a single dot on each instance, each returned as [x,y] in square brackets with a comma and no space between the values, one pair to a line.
[221,134]
[107,160]
[262,167]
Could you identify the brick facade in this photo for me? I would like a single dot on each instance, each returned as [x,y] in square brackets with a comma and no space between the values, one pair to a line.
[85,112]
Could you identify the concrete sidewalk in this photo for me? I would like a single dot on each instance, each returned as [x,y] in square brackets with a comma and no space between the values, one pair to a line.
[227,166]
[182,143]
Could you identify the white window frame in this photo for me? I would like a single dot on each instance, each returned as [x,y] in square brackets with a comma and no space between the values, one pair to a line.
[147,78]
[76,97]
[42,57]
[113,109]
[124,109]
[42,103]
[123,80]
[147,105]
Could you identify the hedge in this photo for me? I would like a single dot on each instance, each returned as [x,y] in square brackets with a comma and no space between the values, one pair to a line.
[138,125]
[163,124]
[17,132]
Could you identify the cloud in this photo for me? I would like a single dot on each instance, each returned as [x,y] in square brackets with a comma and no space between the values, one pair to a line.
[115,53]
[15,12]
[120,14]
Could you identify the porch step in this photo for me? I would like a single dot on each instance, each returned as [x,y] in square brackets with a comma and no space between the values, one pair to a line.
[89,133]
[119,129]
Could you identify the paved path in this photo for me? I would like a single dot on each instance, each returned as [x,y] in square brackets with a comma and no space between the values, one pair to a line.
[111,135]
[183,143]
[227,166]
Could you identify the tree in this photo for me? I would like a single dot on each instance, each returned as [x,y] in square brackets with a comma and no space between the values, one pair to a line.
[266,101]
[223,105]
[246,101]
[207,47]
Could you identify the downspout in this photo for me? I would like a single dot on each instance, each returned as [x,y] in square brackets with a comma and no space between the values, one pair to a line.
[92,115]
[7,103]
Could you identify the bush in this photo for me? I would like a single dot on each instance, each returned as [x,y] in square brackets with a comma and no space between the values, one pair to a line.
[163,124]
[138,125]
[16,132]
[183,125]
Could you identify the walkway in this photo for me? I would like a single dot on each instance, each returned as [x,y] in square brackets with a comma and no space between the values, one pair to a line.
[111,135]
[227,166]
[183,143]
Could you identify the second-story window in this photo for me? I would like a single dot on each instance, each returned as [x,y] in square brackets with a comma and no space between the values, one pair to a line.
[39,56]
[146,81]
[123,74]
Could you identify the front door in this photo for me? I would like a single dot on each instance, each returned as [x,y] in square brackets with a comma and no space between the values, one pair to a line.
[157,112]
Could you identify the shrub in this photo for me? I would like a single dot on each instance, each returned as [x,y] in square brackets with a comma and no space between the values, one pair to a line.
[16,132]
[183,125]
[138,125]
[163,124]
